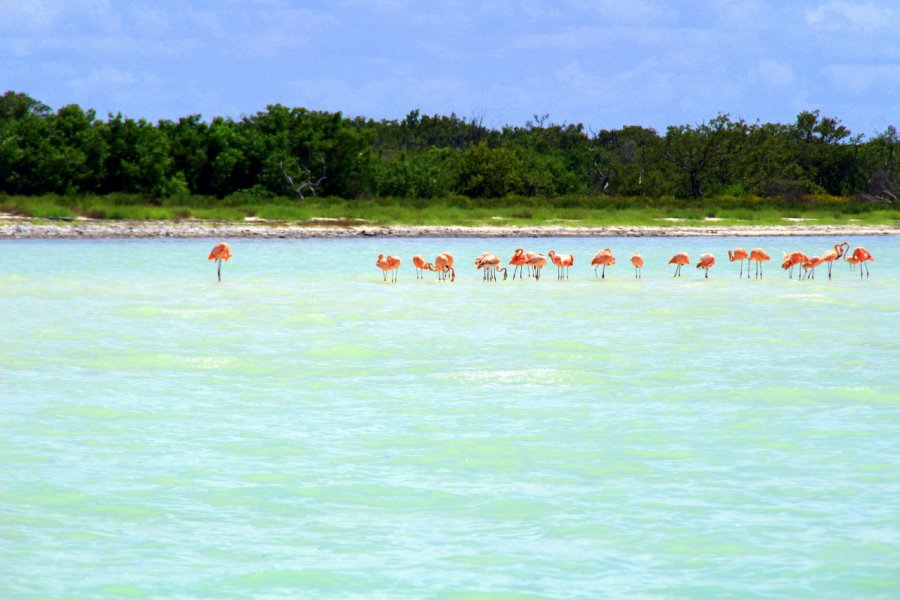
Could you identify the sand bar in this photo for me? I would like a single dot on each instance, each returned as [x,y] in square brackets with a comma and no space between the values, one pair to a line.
[24,228]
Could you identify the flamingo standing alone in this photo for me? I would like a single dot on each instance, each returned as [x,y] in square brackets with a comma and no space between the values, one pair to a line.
[740,254]
[833,255]
[679,259]
[705,262]
[220,252]
[388,263]
[638,261]
[562,262]
[604,257]
[759,255]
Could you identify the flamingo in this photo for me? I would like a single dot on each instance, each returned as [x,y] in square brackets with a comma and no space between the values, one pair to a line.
[388,263]
[638,261]
[740,254]
[490,263]
[860,257]
[562,262]
[833,255]
[679,259]
[705,262]
[536,262]
[810,266]
[443,264]
[220,252]
[604,257]
[421,266]
[759,255]
[792,259]
[518,262]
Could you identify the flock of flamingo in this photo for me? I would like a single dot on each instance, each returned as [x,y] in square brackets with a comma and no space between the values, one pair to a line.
[532,263]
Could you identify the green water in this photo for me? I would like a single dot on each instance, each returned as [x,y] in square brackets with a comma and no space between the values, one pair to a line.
[304,430]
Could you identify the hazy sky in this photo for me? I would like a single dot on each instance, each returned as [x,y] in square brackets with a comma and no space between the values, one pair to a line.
[604,63]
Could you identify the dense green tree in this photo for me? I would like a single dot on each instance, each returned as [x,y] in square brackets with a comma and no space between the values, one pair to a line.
[139,160]
[295,151]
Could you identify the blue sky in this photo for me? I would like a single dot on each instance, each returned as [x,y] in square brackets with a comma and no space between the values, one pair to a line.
[604,63]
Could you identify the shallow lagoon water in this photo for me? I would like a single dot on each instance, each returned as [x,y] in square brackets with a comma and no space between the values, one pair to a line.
[304,429]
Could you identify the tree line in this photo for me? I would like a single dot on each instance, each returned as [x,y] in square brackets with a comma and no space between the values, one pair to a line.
[284,151]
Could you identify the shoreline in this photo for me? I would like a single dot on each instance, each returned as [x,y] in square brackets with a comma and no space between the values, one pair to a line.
[24,228]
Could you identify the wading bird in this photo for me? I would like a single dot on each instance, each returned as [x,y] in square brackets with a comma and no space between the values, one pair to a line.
[536,262]
[605,258]
[833,255]
[759,255]
[860,257]
[388,263]
[679,259]
[220,252]
[740,254]
[705,262]
[490,264]
[792,259]
[421,266]
[518,262]
[562,262]
[443,264]
[638,261]
[810,266]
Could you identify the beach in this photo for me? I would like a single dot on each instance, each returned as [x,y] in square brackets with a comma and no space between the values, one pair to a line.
[25,228]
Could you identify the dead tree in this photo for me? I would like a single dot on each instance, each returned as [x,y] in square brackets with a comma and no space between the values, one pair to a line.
[301,188]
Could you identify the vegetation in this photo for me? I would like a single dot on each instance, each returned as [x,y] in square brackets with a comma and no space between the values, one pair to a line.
[294,164]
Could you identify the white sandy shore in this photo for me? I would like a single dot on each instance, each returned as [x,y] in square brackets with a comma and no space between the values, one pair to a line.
[20,228]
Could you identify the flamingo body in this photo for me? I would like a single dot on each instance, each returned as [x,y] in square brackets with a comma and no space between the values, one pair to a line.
[490,264]
[740,254]
[603,258]
[680,259]
[706,261]
[220,252]
[562,262]
[792,259]
[759,255]
[536,262]
[638,262]
[861,256]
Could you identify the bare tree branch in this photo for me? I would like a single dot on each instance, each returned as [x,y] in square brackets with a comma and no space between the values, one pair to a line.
[308,184]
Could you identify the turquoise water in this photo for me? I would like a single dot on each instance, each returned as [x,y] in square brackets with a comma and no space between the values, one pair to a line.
[303,429]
